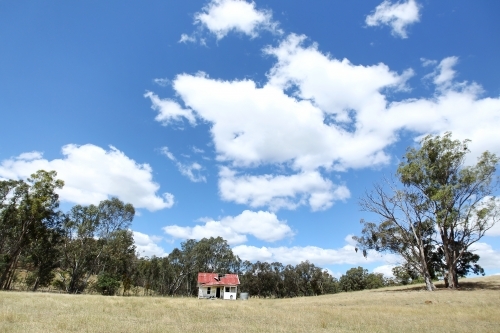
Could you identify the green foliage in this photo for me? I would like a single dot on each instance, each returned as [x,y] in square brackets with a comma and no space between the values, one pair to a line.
[458,198]
[107,284]
[28,220]
[264,279]
[96,241]
[359,279]
[442,208]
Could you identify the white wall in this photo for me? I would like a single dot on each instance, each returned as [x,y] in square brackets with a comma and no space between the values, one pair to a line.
[203,292]
[231,295]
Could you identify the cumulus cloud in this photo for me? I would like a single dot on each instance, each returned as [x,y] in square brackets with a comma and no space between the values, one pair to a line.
[262,225]
[221,17]
[190,170]
[147,246]
[317,114]
[319,256]
[280,191]
[489,257]
[397,15]
[92,174]
[263,125]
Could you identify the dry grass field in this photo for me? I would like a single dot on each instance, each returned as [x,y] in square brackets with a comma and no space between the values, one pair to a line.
[475,308]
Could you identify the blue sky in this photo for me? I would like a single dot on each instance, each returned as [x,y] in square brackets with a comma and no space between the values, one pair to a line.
[263,122]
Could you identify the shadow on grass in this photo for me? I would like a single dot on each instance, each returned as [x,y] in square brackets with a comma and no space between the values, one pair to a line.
[465,285]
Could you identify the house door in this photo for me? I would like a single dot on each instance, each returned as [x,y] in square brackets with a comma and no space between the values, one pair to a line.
[217,293]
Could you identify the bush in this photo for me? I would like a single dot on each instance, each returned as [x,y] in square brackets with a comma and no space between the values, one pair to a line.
[107,284]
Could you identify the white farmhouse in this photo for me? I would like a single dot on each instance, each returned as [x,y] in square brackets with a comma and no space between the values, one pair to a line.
[214,285]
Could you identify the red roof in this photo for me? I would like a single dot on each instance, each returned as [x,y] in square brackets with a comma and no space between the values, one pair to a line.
[212,279]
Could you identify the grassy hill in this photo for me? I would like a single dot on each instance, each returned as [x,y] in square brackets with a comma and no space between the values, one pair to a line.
[475,308]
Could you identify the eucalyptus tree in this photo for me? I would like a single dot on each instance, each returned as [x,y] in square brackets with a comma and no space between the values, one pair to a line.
[27,210]
[459,198]
[439,204]
[404,227]
[93,235]
[43,253]
[214,255]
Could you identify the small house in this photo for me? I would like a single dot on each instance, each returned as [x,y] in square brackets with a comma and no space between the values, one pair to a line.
[214,285]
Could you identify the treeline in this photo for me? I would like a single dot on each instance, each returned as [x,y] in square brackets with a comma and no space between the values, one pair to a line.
[262,279]
[91,249]
[63,249]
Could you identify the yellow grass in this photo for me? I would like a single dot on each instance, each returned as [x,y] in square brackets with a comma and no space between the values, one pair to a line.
[476,308]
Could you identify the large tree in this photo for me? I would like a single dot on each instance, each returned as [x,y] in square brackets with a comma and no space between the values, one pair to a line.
[96,239]
[28,216]
[404,228]
[437,193]
[459,198]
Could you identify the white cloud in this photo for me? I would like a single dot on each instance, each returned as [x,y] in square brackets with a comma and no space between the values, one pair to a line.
[489,258]
[318,256]
[262,225]
[280,191]
[190,170]
[348,239]
[92,174]
[263,125]
[147,245]
[197,150]
[210,229]
[169,110]
[162,82]
[332,273]
[165,151]
[34,155]
[398,15]
[444,73]
[187,39]
[385,269]
[318,114]
[428,62]
[494,231]
[493,223]
[223,16]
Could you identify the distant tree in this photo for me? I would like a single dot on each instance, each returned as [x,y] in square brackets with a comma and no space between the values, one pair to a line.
[215,255]
[264,279]
[96,237]
[353,279]
[404,275]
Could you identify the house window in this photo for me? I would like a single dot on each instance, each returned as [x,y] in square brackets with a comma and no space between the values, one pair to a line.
[233,289]
[208,291]
[227,289]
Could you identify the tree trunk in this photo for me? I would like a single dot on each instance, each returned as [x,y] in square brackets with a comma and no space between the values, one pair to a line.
[35,286]
[452,276]
[8,274]
[429,286]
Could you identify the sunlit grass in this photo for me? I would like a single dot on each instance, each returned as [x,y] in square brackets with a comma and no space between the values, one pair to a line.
[399,309]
